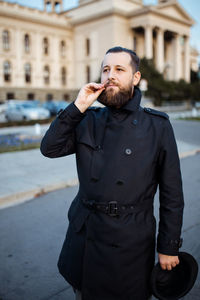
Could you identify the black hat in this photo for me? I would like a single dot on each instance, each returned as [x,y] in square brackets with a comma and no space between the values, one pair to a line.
[174,284]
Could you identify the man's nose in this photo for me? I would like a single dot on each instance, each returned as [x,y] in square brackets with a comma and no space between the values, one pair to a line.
[111,74]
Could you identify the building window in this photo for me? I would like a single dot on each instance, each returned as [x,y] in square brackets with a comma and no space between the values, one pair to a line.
[45,46]
[6,40]
[7,71]
[88,74]
[66,97]
[87,47]
[27,43]
[27,72]
[49,97]
[63,76]
[10,96]
[31,96]
[63,48]
[46,74]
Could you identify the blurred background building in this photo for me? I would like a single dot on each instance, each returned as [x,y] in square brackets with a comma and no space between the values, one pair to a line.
[50,54]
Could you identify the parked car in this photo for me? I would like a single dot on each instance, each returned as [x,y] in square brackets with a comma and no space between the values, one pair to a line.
[61,105]
[51,107]
[55,106]
[3,106]
[19,110]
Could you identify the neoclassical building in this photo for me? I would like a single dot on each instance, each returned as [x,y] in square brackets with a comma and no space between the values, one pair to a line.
[50,54]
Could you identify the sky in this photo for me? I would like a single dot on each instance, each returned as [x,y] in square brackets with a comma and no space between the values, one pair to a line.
[192,7]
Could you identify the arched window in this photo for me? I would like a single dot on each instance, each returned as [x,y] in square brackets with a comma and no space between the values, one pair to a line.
[46,74]
[63,76]
[7,71]
[27,72]
[6,40]
[27,43]
[45,46]
[63,48]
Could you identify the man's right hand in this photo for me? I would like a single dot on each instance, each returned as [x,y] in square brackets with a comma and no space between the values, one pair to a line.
[88,94]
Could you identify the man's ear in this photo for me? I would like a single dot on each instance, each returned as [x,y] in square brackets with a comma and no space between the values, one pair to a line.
[136,77]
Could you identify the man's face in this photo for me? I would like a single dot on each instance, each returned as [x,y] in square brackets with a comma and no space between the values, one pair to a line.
[119,79]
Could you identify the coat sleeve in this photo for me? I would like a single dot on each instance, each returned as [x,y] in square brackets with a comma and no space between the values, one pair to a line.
[170,194]
[59,139]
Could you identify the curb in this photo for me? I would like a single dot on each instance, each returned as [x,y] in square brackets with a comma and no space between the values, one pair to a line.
[189,153]
[21,197]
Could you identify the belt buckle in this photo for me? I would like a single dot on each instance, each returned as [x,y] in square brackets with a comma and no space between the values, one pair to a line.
[112,209]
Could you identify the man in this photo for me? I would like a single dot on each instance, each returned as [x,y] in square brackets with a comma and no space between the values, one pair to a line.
[123,153]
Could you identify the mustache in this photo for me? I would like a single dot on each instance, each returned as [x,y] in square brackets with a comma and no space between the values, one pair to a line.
[110,82]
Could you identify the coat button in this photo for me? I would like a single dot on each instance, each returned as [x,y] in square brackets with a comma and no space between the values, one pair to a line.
[128,151]
[94,179]
[120,182]
[135,122]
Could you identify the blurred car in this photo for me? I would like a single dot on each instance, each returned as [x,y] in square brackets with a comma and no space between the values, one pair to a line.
[197,104]
[61,105]
[3,106]
[19,110]
[55,106]
[51,107]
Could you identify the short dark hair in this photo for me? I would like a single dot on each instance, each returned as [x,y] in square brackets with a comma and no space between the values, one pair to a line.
[135,61]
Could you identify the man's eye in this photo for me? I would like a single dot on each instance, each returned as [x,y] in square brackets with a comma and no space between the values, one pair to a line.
[118,69]
[105,70]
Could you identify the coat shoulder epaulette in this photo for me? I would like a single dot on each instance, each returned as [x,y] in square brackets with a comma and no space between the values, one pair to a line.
[156,112]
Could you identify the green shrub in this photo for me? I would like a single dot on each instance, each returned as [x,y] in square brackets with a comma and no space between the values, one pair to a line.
[161,90]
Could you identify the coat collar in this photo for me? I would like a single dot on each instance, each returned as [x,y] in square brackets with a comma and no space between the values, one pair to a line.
[134,103]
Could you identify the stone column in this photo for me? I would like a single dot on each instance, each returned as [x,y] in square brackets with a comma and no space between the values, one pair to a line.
[186,59]
[55,65]
[38,79]
[177,57]
[17,69]
[148,37]
[160,50]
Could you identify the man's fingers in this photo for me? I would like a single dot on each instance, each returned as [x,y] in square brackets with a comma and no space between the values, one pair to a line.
[163,266]
[174,264]
[95,86]
[169,266]
[168,262]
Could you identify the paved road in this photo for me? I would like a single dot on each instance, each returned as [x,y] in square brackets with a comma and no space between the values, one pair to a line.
[187,131]
[32,234]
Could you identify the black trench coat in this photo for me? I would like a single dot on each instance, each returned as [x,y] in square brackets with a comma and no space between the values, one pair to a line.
[122,155]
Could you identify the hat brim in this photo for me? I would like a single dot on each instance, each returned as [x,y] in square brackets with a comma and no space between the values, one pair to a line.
[174,284]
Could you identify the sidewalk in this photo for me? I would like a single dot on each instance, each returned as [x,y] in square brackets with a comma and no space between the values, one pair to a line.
[27,174]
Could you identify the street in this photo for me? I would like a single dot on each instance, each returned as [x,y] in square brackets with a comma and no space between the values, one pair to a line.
[32,234]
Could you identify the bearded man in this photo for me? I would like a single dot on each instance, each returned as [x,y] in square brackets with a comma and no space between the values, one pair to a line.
[123,153]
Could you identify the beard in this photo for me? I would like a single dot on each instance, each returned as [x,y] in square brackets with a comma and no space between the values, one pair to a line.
[112,99]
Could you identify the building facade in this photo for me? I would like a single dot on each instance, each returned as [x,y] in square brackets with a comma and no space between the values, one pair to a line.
[50,54]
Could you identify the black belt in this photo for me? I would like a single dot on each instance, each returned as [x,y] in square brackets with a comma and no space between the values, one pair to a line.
[114,209]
